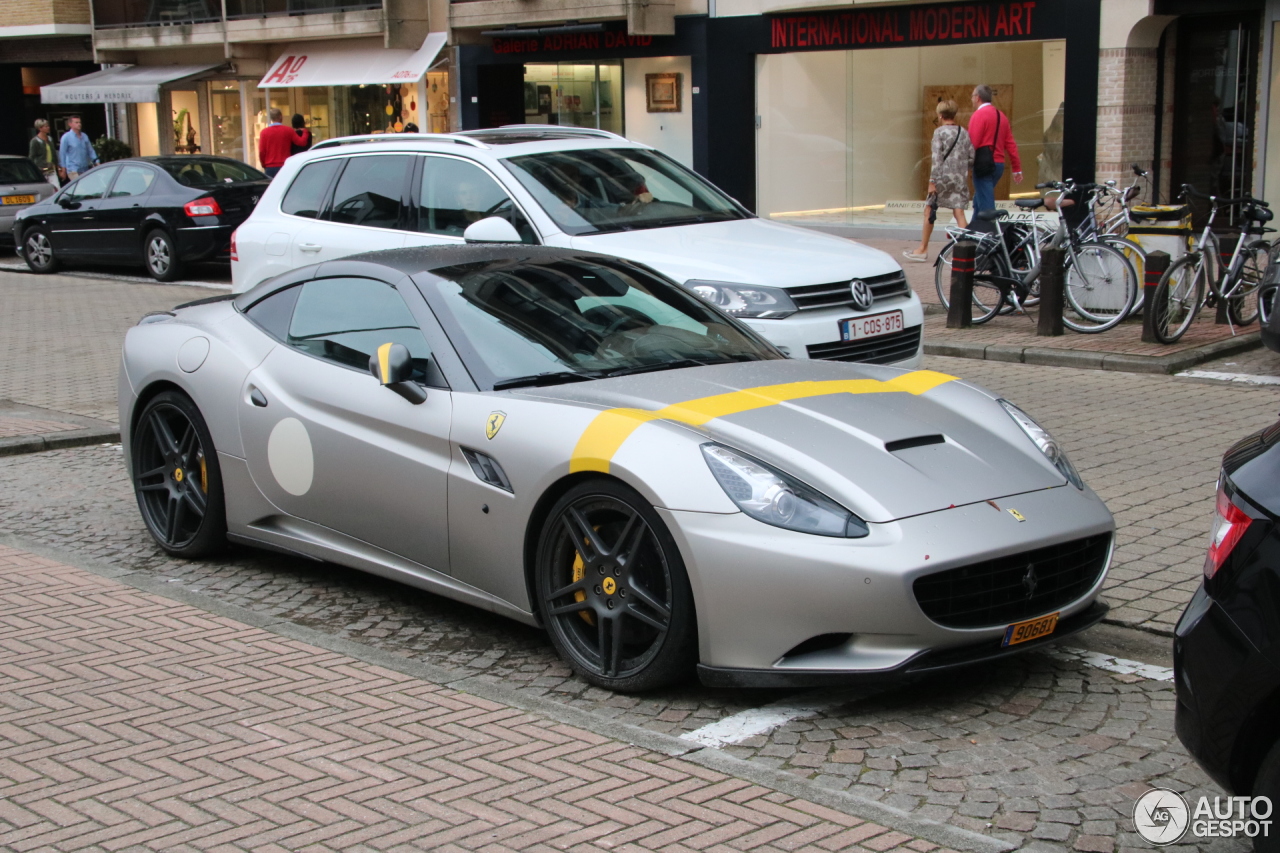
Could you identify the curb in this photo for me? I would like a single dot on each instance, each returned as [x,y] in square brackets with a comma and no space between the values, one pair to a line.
[1087,360]
[20,444]
[943,834]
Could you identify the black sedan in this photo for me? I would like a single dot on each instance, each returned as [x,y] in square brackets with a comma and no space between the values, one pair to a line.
[163,212]
[1227,643]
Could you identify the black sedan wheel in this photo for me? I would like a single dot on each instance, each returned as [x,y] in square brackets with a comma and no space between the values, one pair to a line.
[613,589]
[37,251]
[177,478]
[162,257]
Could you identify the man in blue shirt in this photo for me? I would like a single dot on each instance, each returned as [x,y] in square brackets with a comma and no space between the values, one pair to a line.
[75,151]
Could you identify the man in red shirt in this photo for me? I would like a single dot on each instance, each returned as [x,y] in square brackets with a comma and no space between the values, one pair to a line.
[983,130]
[275,143]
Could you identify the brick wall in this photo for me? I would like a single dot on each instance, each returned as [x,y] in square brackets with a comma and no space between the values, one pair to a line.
[1126,111]
[19,13]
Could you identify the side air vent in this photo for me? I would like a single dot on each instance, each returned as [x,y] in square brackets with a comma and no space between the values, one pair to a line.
[487,469]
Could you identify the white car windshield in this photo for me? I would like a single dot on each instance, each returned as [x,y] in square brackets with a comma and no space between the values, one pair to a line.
[591,191]
[527,321]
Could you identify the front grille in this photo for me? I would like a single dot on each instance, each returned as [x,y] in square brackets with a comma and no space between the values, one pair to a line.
[838,294]
[999,591]
[885,349]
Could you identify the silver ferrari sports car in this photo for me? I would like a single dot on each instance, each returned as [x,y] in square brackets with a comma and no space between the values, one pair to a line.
[571,440]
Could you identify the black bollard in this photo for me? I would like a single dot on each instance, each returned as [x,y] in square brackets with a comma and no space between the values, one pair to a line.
[1157,263]
[1051,296]
[960,312]
[1226,248]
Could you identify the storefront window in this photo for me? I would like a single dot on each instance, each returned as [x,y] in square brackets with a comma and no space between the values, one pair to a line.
[186,122]
[574,95]
[437,102]
[314,104]
[844,135]
[227,129]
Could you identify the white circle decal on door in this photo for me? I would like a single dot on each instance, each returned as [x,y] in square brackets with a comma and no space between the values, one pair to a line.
[290,458]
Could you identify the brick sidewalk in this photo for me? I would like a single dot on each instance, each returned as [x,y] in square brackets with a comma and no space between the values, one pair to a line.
[129,721]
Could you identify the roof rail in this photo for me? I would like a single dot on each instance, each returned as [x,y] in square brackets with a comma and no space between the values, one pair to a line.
[399,137]
[549,129]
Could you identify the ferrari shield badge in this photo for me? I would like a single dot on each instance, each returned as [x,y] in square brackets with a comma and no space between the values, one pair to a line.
[1012,511]
[494,424]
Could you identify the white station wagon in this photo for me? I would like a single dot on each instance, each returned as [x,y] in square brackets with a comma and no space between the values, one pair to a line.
[812,294]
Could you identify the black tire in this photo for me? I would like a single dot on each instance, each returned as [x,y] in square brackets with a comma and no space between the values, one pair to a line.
[987,298]
[161,256]
[1267,784]
[37,251]
[983,263]
[184,512]
[1177,299]
[1242,307]
[612,589]
[1100,287]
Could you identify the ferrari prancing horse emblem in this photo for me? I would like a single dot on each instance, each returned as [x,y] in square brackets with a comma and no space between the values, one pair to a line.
[1017,514]
[494,424]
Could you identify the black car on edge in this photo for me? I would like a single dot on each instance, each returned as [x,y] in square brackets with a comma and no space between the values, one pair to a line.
[162,212]
[1226,647]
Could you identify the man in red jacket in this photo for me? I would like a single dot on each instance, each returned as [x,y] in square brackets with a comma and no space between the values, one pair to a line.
[275,143]
[983,130]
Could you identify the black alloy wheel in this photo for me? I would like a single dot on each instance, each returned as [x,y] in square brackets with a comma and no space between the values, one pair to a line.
[37,251]
[176,477]
[162,257]
[613,590]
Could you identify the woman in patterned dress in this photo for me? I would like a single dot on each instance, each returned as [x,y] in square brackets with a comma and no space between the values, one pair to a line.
[952,158]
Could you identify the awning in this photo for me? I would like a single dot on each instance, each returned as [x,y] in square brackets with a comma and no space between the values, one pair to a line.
[309,65]
[133,84]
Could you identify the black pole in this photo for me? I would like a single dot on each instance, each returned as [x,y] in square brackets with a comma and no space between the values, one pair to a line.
[1051,296]
[1157,263]
[960,311]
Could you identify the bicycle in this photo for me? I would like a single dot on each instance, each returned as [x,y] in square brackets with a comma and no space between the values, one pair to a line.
[1101,285]
[1189,283]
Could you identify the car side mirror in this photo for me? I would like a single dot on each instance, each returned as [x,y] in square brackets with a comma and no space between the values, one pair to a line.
[495,229]
[66,203]
[393,366]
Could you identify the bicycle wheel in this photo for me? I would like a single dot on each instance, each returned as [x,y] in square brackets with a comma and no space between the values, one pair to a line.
[988,300]
[1100,288]
[1137,258]
[1242,304]
[1177,298]
[983,262]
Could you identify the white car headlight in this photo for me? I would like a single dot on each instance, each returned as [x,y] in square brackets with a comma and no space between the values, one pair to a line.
[745,300]
[774,498]
[1047,444]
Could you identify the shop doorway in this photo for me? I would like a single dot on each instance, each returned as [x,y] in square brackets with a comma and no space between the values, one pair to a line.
[1215,87]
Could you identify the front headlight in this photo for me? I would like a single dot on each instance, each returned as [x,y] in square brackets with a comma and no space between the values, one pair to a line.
[745,300]
[774,498]
[1048,446]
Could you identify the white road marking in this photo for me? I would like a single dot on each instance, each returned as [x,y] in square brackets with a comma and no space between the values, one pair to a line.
[1114,664]
[745,724]
[1244,378]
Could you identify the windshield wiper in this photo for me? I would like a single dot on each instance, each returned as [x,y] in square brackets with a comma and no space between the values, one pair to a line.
[558,378]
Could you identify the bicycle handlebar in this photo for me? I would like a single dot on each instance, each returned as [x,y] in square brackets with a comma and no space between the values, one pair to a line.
[1192,192]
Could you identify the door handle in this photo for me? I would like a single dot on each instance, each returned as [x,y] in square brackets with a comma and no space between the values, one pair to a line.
[309,247]
[257,397]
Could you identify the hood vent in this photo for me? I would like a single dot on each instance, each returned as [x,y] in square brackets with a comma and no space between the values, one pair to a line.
[918,441]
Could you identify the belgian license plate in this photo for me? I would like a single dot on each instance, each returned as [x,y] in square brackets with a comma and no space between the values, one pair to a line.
[18,199]
[873,326]
[1032,629]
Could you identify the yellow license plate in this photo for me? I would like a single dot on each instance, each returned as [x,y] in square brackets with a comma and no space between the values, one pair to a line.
[18,199]
[1032,629]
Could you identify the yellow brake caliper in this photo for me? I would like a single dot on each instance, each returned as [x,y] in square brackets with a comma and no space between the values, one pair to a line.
[579,572]
[204,475]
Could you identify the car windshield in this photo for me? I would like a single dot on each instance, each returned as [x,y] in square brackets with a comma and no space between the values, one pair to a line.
[196,172]
[594,190]
[534,322]
[19,171]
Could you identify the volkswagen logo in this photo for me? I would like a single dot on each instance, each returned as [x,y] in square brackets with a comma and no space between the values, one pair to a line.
[861,293]
[1030,581]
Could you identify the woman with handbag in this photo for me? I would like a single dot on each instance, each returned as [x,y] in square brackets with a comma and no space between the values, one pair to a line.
[951,155]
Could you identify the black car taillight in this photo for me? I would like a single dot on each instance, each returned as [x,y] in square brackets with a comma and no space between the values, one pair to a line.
[1229,524]
[203,207]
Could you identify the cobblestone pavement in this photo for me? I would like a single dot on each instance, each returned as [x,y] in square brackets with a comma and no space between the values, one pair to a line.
[134,722]
[62,337]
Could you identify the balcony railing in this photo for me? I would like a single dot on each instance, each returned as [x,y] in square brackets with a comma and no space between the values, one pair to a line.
[158,13]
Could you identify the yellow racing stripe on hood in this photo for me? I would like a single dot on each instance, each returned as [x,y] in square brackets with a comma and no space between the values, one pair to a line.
[605,435]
